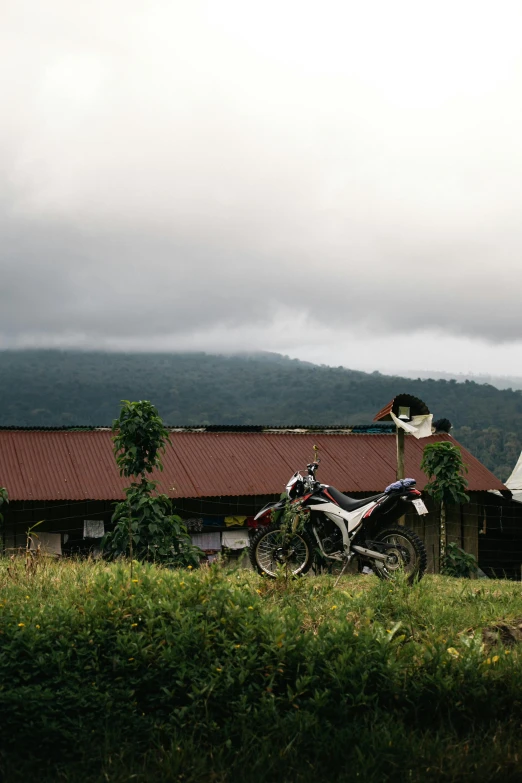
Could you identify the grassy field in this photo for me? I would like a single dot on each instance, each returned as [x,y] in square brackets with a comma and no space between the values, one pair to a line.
[224,676]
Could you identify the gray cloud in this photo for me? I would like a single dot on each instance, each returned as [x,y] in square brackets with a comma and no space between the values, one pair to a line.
[179,177]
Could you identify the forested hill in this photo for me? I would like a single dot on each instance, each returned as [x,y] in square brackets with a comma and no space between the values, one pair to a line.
[55,388]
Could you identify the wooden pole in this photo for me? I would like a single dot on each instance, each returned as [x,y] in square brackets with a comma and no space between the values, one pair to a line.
[400,461]
[400,453]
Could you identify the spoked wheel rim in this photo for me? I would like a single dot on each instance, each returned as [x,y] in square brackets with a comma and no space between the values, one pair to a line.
[402,554]
[276,549]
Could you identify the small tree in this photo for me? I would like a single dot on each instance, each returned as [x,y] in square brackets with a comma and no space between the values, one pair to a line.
[145,527]
[443,465]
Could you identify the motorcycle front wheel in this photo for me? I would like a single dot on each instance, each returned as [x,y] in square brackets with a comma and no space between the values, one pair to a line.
[272,548]
[407,554]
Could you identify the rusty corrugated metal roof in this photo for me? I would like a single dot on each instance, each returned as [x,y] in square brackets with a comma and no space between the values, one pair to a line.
[79,465]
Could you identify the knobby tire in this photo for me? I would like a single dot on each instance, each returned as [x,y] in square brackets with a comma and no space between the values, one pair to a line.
[265,533]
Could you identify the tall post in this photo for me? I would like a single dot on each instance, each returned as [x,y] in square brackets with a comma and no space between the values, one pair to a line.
[400,453]
[400,462]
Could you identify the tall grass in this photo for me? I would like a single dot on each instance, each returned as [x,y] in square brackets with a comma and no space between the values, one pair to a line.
[223,676]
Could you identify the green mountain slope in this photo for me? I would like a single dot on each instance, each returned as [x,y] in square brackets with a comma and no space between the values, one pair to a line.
[54,388]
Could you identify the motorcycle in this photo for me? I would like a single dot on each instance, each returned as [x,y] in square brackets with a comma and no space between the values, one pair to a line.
[339,528]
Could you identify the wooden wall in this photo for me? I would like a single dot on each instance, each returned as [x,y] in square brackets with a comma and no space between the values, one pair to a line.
[60,517]
[488,527]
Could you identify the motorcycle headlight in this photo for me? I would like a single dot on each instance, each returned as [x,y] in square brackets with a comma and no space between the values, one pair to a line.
[295,487]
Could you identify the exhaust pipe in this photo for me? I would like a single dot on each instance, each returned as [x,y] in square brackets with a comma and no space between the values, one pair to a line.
[370,553]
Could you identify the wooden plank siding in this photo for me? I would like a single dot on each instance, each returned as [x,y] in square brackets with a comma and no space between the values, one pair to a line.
[498,548]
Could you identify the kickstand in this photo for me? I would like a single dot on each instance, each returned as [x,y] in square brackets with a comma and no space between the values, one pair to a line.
[343,569]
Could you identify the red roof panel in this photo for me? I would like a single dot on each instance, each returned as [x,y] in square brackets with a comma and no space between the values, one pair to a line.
[79,465]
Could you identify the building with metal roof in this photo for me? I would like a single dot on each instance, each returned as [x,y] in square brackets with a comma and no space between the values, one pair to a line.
[68,477]
[78,464]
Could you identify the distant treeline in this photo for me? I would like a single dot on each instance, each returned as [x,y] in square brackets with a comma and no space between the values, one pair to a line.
[55,388]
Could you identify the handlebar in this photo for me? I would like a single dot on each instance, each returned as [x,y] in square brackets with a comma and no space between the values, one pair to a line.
[312,467]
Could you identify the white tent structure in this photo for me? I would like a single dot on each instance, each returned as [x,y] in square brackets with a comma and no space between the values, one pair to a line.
[514,482]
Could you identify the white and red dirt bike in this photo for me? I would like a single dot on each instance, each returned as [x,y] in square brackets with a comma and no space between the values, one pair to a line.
[339,528]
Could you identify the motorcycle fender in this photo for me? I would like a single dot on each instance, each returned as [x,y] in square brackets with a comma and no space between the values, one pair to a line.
[269,508]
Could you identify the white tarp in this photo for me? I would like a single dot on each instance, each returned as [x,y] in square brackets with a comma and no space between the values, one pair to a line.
[207,541]
[49,543]
[235,539]
[419,426]
[93,528]
[514,482]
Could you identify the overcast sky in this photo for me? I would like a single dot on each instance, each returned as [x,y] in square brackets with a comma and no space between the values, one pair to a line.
[334,180]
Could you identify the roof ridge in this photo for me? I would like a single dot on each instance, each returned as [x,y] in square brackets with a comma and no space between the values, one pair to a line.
[347,428]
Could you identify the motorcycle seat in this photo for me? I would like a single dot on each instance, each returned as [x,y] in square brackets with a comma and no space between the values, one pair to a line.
[350,504]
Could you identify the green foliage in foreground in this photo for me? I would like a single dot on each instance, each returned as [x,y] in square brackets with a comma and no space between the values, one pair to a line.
[215,676]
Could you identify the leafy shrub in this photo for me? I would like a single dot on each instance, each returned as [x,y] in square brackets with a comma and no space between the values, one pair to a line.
[145,527]
[443,464]
[459,563]
[157,534]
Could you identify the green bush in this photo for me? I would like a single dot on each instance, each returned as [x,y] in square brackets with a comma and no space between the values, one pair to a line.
[459,563]
[144,525]
[220,676]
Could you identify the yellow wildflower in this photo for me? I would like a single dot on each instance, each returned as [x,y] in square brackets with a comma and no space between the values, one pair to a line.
[133,625]
[507,652]
[495,658]
[237,646]
[488,660]
[37,626]
[131,659]
[134,580]
[333,607]
[189,567]
[218,669]
[453,652]
[21,625]
[251,608]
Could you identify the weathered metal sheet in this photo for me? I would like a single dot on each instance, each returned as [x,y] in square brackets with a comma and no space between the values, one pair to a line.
[79,465]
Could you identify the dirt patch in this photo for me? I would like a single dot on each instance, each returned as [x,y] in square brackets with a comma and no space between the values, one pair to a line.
[507,634]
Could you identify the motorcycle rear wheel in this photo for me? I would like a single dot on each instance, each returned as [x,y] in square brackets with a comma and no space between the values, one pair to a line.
[409,553]
[271,548]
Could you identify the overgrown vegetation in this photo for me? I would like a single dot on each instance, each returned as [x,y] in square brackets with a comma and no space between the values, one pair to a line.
[221,676]
[145,527]
[55,388]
